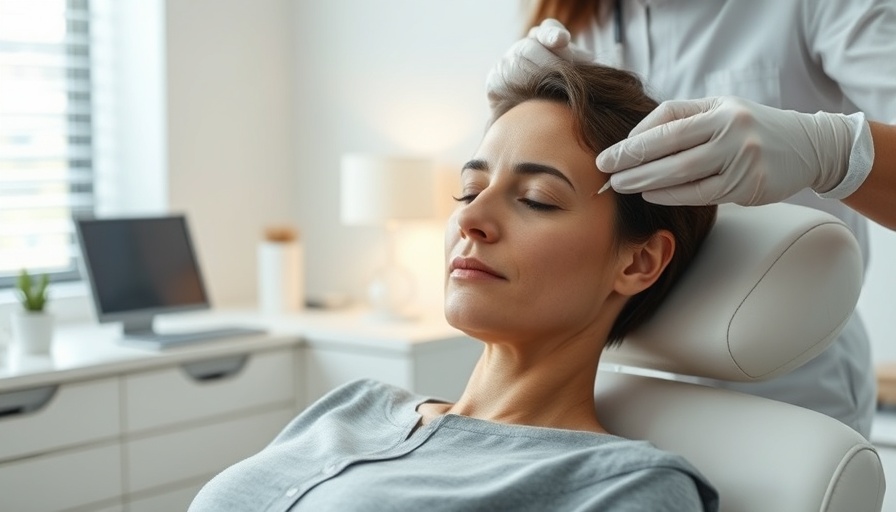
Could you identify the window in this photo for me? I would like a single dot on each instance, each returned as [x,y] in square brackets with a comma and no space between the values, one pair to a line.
[46,134]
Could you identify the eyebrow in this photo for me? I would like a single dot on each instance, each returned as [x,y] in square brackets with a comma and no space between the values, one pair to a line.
[522,168]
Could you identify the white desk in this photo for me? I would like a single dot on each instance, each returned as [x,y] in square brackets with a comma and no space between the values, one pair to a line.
[121,428]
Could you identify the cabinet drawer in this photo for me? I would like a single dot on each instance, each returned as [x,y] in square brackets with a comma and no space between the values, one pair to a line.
[38,420]
[179,499]
[62,481]
[206,450]
[326,370]
[207,388]
[115,507]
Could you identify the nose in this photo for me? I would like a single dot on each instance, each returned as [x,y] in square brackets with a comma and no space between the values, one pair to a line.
[478,220]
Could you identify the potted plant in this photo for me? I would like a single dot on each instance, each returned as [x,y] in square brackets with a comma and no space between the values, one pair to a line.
[32,328]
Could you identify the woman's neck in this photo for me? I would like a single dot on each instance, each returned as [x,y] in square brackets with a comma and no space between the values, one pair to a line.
[510,385]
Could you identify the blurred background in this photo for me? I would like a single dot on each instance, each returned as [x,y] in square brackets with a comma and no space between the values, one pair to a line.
[237,113]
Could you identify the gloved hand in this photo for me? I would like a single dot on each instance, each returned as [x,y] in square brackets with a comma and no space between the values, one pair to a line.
[727,149]
[545,44]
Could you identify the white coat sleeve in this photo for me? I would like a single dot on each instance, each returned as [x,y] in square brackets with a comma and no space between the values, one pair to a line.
[855,44]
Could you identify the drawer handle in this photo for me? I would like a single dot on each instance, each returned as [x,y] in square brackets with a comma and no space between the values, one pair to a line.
[216,369]
[14,403]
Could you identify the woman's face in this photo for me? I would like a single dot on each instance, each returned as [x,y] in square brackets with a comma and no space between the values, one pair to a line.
[529,251]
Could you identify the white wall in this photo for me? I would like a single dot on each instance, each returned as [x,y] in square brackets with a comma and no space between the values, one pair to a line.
[392,76]
[878,303]
[129,106]
[128,76]
[230,124]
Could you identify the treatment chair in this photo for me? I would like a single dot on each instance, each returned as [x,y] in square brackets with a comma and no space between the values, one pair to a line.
[770,290]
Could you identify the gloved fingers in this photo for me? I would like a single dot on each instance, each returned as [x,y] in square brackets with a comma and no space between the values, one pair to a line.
[716,189]
[697,193]
[673,110]
[528,51]
[678,169]
[552,34]
[524,58]
[682,195]
[656,143]
[555,37]
[544,45]
[573,53]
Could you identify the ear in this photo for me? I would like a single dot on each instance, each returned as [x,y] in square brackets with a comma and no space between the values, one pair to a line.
[642,264]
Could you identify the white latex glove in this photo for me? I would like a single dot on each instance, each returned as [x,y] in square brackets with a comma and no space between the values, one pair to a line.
[730,150]
[545,44]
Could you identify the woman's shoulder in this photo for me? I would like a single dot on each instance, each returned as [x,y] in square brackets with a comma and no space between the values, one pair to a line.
[645,466]
[590,455]
[654,474]
[619,455]
[602,470]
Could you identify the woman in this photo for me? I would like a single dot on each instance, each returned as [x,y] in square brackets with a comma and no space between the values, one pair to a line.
[545,272]
[755,90]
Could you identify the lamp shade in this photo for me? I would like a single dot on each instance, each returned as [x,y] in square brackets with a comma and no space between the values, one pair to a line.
[377,189]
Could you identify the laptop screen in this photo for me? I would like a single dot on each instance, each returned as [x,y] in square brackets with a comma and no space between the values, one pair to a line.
[141,264]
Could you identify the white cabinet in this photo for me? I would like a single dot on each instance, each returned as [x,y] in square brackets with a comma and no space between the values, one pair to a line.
[141,436]
[203,389]
[101,427]
[188,422]
[883,435]
[52,416]
[48,434]
[441,374]
[173,459]
[428,358]
[178,499]
[64,479]
[888,460]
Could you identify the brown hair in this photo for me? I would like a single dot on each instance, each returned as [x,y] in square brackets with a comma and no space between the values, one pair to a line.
[606,104]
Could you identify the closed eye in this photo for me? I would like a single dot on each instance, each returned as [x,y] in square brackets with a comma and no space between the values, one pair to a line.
[538,206]
[466,199]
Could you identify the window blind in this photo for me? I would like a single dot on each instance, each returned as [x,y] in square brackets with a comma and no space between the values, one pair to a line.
[46,150]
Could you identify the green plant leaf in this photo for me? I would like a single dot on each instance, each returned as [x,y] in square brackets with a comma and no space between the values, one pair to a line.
[33,296]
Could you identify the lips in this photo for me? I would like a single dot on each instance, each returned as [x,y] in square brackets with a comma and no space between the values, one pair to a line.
[472,268]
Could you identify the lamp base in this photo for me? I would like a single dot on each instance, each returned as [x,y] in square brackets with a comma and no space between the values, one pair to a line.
[390,294]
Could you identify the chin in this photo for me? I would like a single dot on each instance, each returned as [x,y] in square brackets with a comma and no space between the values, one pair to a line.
[474,316]
[461,310]
[455,311]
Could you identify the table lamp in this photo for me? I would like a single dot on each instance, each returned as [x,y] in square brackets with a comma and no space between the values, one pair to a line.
[384,191]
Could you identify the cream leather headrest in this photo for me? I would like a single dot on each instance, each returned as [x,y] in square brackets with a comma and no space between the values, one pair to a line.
[770,289]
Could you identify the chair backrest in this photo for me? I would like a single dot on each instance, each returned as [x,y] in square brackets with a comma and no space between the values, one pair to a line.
[770,290]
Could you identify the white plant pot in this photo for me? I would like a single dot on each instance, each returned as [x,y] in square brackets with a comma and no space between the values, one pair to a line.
[32,331]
